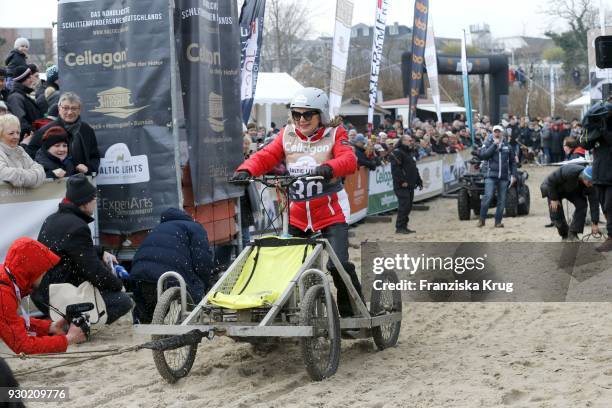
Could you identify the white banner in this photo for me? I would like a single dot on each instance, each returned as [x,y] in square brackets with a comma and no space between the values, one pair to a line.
[377,50]
[342,39]
[431,62]
[431,172]
[23,210]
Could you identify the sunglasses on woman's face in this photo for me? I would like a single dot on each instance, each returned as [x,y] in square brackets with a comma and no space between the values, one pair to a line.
[306,115]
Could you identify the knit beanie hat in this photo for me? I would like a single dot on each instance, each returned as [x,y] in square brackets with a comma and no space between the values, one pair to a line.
[22,73]
[79,190]
[22,41]
[53,135]
[52,74]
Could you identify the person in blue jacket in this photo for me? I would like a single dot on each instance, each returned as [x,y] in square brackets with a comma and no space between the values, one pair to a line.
[177,244]
[499,168]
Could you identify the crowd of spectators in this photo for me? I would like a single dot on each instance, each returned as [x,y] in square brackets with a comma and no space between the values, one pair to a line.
[542,140]
[41,132]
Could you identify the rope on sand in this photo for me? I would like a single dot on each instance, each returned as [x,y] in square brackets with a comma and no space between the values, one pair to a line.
[163,344]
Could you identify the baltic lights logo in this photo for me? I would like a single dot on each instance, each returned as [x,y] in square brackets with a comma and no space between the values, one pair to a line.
[115,102]
[118,166]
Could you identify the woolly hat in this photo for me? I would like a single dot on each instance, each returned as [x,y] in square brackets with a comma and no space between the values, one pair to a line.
[21,41]
[53,135]
[360,138]
[22,73]
[79,190]
[52,74]
[587,173]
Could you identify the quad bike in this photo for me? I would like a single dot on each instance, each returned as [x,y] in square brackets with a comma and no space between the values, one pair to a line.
[472,190]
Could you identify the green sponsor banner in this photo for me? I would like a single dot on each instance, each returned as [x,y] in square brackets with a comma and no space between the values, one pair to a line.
[380,190]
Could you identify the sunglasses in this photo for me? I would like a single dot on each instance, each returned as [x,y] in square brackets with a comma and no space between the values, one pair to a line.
[306,115]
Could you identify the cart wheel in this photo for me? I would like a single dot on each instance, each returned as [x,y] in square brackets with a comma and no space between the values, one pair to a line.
[321,353]
[172,364]
[385,302]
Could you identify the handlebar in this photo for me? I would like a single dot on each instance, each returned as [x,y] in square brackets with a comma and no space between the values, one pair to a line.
[278,181]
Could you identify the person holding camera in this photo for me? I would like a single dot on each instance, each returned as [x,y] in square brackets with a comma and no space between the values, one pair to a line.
[574,183]
[499,165]
[26,263]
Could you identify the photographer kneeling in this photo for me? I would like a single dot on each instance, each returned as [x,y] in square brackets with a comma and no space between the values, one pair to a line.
[574,183]
[26,263]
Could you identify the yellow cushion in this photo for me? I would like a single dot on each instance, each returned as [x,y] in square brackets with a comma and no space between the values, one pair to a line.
[276,267]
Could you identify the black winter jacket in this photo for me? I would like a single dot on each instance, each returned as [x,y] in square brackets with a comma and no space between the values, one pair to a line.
[23,106]
[602,158]
[362,159]
[45,103]
[50,163]
[177,244]
[564,182]
[66,232]
[14,59]
[404,170]
[83,150]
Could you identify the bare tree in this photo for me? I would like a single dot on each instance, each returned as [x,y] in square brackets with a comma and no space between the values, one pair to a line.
[286,27]
[580,16]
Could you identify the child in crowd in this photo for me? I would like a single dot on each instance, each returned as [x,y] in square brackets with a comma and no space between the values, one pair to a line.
[54,154]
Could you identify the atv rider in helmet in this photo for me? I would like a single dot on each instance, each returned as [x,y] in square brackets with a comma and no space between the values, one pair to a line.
[313,144]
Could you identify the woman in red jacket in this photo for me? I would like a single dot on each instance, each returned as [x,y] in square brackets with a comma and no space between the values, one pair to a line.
[312,144]
[26,263]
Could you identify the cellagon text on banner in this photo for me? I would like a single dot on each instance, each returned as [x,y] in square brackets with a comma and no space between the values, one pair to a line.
[340,50]
[431,62]
[115,54]
[419,32]
[251,35]
[208,41]
[377,51]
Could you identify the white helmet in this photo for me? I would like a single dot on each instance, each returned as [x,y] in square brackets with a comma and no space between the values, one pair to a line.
[312,98]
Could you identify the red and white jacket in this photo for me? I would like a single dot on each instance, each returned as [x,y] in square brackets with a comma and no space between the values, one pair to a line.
[316,205]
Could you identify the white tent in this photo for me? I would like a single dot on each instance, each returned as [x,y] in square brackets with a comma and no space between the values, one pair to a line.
[581,103]
[273,88]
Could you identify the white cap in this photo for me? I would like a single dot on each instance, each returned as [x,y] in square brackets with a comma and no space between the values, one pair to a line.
[498,127]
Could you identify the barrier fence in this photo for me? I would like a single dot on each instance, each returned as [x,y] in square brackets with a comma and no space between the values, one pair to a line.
[23,211]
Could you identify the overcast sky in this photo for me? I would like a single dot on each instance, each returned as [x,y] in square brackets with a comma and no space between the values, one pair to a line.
[506,18]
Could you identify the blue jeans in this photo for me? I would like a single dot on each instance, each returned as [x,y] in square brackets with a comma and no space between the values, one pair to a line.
[547,155]
[491,185]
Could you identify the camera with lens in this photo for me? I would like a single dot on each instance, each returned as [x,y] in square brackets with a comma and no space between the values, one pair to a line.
[77,315]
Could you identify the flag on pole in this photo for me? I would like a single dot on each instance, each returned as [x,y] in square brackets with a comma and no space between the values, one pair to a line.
[431,62]
[377,50]
[342,39]
[251,35]
[467,100]
[419,32]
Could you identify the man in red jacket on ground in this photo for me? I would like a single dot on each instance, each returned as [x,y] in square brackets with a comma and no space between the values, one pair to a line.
[26,263]
[314,145]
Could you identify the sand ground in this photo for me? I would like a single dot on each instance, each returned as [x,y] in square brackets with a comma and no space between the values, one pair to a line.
[448,354]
